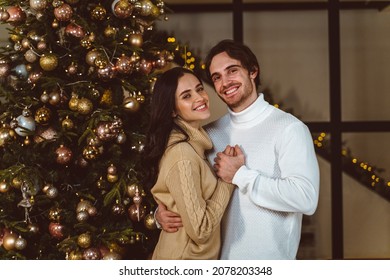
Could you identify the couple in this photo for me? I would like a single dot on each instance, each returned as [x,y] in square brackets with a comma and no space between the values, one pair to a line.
[264,176]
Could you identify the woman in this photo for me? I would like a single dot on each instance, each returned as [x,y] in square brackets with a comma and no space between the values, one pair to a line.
[181,176]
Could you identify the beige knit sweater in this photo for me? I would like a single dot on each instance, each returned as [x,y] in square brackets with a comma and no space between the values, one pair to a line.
[187,185]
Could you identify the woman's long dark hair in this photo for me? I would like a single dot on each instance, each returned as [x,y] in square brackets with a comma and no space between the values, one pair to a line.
[161,121]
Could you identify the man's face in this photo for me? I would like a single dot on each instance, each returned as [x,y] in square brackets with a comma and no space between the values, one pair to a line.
[233,83]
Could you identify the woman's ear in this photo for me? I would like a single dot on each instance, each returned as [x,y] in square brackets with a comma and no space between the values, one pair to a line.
[174,115]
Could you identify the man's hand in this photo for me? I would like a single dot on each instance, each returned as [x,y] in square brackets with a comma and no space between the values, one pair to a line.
[228,162]
[169,221]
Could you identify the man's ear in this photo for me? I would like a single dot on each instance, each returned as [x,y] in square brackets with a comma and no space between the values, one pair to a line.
[253,74]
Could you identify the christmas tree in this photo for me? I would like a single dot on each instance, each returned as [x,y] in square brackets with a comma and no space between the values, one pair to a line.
[76,78]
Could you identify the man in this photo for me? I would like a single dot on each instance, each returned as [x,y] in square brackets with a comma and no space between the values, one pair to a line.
[267,153]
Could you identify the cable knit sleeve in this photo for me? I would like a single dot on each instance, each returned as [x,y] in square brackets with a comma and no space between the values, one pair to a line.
[297,189]
[200,217]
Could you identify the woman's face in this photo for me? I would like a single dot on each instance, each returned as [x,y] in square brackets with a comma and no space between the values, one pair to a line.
[192,101]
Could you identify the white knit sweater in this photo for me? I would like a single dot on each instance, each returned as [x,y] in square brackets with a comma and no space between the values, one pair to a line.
[278,183]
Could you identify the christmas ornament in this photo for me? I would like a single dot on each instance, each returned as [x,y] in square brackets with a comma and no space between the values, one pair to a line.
[107,73]
[124,65]
[55,213]
[21,71]
[16,15]
[4,70]
[106,99]
[9,240]
[121,8]
[57,230]
[145,66]
[84,106]
[73,103]
[4,187]
[83,205]
[38,5]
[91,254]
[67,123]
[48,62]
[121,138]
[52,192]
[45,133]
[136,40]
[99,13]
[91,56]
[63,12]
[131,104]
[30,56]
[112,178]
[20,243]
[6,136]
[131,189]
[112,170]
[136,213]
[150,221]
[43,115]
[26,125]
[112,256]
[54,98]
[75,255]
[33,228]
[107,131]
[74,30]
[118,209]
[84,240]
[91,152]
[64,155]
[110,31]
[34,76]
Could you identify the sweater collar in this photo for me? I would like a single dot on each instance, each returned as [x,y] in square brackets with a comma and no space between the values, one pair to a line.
[198,138]
[251,115]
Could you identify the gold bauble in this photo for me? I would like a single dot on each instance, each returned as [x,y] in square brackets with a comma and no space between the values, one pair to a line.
[73,103]
[91,56]
[106,99]
[99,13]
[48,62]
[16,182]
[6,135]
[84,240]
[83,205]
[84,106]
[75,255]
[109,31]
[101,61]
[55,214]
[43,115]
[112,178]
[112,256]
[150,221]
[131,104]
[136,40]
[4,187]
[131,190]
[91,152]
[9,240]
[86,42]
[67,124]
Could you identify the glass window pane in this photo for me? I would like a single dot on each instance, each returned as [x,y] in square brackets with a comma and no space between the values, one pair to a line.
[292,49]
[366,213]
[365,65]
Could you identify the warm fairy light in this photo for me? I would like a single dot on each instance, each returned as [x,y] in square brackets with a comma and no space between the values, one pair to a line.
[171,39]
[373,177]
[322,134]
[354,160]
[276,105]
[388,184]
[344,152]
[203,66]
[373,184]
[320,138]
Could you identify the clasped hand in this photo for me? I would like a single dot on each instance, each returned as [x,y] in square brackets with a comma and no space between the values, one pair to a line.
[228,162]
